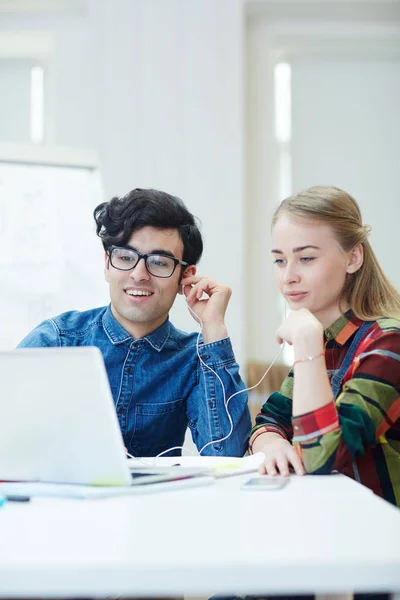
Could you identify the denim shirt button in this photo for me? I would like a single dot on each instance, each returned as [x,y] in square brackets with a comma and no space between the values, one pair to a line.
[204,356]
[211,404]
[120,410]
[129,370]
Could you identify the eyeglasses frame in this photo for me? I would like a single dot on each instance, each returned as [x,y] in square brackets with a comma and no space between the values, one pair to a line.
[145,257]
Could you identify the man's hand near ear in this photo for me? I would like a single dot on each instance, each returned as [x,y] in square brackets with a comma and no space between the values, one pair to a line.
[211,309]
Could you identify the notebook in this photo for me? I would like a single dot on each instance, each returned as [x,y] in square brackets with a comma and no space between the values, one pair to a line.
[58,422]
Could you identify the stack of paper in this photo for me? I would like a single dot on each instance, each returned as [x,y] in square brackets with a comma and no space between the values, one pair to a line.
[224,466]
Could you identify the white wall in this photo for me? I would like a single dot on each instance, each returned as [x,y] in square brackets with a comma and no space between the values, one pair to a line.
[346,132]
[345,127]
[15,81]
[170,105]
[156,89]
[262,190]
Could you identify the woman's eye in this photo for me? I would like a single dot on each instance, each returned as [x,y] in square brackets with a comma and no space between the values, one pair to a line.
[279,261]
[307,259]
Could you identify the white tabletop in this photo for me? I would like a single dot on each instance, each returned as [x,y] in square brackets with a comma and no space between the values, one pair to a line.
[323,534]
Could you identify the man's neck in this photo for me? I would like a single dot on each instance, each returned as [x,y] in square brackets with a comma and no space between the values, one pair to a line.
[136,329]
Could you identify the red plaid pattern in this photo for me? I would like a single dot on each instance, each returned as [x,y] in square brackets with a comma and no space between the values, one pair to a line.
[316,423]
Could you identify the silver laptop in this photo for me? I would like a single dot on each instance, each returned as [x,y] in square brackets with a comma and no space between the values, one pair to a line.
[58,421]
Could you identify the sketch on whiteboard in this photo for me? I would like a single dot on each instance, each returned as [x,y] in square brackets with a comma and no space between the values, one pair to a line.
[50,257]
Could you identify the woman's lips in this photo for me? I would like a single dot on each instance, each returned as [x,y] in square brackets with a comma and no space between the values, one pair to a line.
[296,296]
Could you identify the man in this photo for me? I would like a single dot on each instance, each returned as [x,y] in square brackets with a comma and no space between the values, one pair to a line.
[159,382]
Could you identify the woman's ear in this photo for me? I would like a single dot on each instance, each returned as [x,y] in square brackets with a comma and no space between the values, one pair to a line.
[356,258]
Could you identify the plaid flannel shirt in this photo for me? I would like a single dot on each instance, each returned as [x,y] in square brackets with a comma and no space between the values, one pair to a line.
[359,434]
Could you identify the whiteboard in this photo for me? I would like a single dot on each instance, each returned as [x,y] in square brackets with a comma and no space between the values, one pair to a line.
[50,257]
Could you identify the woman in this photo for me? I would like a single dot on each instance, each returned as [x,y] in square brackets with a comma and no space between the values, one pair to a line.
[339,407]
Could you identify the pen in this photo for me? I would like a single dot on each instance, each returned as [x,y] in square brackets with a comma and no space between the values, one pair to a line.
[18,498]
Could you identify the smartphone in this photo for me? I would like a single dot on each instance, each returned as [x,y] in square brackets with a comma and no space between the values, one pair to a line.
[265,483]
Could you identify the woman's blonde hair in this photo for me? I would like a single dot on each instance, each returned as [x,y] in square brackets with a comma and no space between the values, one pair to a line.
[367,291]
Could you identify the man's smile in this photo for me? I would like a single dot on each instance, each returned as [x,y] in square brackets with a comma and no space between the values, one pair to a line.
[138,293]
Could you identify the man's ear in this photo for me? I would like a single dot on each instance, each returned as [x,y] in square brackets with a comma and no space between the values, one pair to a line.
[106,267]
[190,271]
[356,258]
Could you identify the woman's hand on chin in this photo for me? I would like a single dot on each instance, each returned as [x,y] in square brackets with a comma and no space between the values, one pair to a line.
[299,326]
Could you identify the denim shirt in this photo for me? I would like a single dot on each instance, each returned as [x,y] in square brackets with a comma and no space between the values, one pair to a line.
[158,383]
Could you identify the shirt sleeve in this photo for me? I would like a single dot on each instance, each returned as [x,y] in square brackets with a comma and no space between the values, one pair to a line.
[45,334]
[217,407]
[276,413]
[332,436]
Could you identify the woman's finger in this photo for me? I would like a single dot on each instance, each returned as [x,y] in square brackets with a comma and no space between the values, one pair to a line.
[283,465]
[270,466]
[296,462]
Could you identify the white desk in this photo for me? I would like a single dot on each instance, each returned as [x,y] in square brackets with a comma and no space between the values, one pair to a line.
[319,534]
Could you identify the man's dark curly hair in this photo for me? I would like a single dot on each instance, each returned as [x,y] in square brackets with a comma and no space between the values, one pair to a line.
[117,219]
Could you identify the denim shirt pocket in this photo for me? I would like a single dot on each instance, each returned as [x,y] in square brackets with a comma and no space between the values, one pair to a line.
[158,426]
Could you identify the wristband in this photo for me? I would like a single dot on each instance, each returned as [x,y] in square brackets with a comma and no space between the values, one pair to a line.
[309,358]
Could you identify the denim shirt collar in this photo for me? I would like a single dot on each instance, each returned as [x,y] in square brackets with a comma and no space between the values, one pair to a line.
[117,334]
[159,336]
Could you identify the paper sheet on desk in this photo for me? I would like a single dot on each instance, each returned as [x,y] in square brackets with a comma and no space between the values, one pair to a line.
[66,490]
[217,466]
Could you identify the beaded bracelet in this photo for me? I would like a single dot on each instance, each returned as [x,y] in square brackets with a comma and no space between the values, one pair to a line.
[309,358]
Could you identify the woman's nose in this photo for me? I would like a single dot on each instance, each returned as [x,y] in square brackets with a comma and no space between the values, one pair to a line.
[291,274]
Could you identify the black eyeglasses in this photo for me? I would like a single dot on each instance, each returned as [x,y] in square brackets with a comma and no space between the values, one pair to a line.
[159,265]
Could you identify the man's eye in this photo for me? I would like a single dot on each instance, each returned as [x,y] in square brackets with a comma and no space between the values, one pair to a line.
[126,258]
[159,261]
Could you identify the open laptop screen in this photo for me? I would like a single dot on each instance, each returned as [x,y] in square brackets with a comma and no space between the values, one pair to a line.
[57,418]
